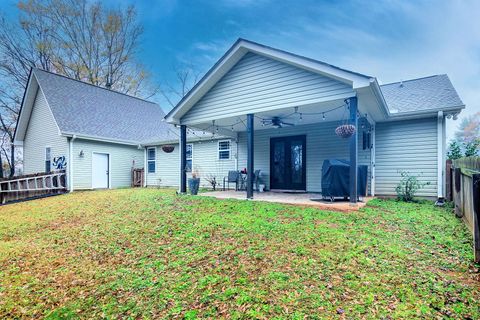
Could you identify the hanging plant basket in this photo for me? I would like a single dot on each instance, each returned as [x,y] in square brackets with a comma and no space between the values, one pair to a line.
[345,130]
[168,148]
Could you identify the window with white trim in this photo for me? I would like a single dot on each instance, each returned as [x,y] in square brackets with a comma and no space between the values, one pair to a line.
[48,159]
[189,152]
[224,149]
[151,159]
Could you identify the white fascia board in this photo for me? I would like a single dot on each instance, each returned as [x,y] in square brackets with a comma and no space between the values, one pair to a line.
[377,92]
[208,81]
[100,139]
[233,135]
[237,51]
[207,119]
[423,113]
[48,104]
[24,117]
[351,78]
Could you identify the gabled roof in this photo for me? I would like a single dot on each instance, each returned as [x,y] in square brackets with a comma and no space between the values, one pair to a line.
[420,95]
[89,111]
[242,47]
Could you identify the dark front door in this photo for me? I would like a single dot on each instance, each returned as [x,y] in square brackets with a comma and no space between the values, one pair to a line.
[288,163]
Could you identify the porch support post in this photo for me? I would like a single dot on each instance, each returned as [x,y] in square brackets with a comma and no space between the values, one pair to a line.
[183,158]
[353,152]
[250,166]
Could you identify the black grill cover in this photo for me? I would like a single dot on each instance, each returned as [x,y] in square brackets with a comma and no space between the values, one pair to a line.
[336,178]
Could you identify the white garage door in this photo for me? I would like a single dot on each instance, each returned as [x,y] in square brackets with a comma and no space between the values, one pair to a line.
[100,171]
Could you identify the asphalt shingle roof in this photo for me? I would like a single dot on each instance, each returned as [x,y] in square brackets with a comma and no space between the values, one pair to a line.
[429,93]
[84,109]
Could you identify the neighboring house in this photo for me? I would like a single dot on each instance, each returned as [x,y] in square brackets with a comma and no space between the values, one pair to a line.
[96,134]
[288,107]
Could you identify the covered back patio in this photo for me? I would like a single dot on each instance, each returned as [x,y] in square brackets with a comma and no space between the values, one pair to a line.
[282,110]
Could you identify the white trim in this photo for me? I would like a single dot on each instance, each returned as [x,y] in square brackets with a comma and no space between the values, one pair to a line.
[48,105]
[440,155]
[145,167]
[109,169]
[45,159]
[229,149]
[191,158]
[223,131]
[154,160]
[242,47]
[96,138]
[236,155]
[70,164]
[21,116]
[372,162]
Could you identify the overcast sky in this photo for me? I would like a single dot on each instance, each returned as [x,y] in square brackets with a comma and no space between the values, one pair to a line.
[391,40]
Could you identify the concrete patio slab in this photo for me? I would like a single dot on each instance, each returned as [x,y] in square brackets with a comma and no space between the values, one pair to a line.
[301,199]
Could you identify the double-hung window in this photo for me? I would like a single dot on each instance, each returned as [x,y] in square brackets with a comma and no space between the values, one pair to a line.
[224,149]
[48,159]
[151,159]
[189,152]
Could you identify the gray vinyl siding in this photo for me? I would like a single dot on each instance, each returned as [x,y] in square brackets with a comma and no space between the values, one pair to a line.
[406,146]
[321,143]
[204,160]
[122,159]
[257,83]
[42,132]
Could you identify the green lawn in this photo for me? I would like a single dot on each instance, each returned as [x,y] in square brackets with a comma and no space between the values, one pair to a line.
[148,253]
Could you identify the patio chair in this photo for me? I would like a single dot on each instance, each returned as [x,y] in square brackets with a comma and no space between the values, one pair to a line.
[232,177]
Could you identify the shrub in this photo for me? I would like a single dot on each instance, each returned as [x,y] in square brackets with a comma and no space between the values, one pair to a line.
[408,186]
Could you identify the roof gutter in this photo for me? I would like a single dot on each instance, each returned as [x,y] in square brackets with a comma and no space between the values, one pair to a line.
[431,112]
[100,139]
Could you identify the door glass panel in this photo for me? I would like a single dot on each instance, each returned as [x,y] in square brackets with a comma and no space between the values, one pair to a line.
[296,149]
[279,163]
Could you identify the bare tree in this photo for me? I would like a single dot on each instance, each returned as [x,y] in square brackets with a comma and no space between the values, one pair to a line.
[77,38]
[186,77]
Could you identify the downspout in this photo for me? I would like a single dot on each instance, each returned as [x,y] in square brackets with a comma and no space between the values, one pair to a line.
[372,159]
[70,163]
[440,157]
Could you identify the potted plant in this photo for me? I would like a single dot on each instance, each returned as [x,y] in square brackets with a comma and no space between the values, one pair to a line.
[194,182]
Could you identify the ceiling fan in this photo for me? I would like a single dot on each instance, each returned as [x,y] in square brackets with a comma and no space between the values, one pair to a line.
[276,122]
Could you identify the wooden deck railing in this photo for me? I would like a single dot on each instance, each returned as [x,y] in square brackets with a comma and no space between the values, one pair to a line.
[33,185]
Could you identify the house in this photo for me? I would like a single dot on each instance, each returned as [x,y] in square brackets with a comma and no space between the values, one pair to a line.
[97,135]
[258,108]
[283,110]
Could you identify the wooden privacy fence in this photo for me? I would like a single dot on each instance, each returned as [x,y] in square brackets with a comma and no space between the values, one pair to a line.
[32,185]
[463,188]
